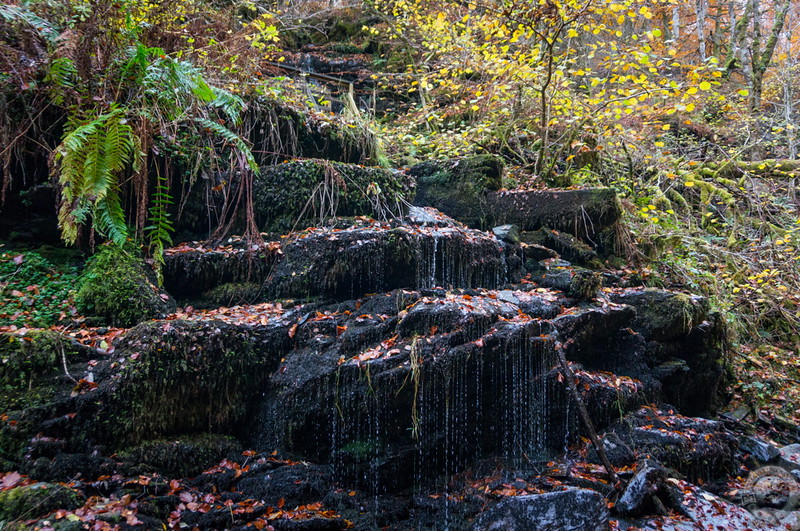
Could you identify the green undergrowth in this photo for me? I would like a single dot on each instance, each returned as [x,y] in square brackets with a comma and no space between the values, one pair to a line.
[29,365]
[34,291]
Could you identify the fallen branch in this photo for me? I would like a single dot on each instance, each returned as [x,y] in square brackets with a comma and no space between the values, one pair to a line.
[619,485]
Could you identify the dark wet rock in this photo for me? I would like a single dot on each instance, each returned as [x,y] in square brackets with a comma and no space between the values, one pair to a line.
[790,457]
[566,245]
[759,449]
[553,274]
[354,261]
[66,467]
[458,187]
[590,215]
[568,509]
[618,453]
[700,449]
[31,501]
[538,304]
[583,213]
[607,397]
[193,270]
[294,195]
[181,457]
[310,524]
[507,233]
[177,377]
[536,252]
[645,483]
[679,329]
[297,484]
[346,262]
[663,315]
[452,314]
[705,510]
[599,338]
[432,390]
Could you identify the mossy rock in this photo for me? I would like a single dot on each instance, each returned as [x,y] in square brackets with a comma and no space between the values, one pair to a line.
[30,366]
[458,187]
[31,501]
[119,289]
[180,378]
[585,285]
[182,457]
[296,194]
[566,245]
[664,315]
[233,293]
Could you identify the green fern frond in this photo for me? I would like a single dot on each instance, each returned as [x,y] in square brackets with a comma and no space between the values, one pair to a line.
[13,14]
[62,75]
[232,138]
[88,163]
[110,218]
[230,104]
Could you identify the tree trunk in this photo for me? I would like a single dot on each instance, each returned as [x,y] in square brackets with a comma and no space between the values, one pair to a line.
[761,59]
[676,23]
[701,8]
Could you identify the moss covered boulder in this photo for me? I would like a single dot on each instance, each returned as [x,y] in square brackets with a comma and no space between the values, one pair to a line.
[664,315]
[297,194]
[30,363]
[39,499]
[356,257]
[181,457]
[172,378]
[686,345]
[371,258]
[119,289]
[33,374]
[459,187]
[219,275]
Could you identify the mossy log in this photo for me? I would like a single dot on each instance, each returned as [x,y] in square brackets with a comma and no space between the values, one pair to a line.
[774,168]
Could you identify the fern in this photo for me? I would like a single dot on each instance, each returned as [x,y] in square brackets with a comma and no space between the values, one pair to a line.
[14,14]
[88,164]
[230,104]
[62,75]
[232,138]
[158,232]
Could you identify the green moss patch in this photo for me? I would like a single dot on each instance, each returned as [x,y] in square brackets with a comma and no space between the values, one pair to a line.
[181,378]
[33,290]
[119,289]
[296,194]
[38,499]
